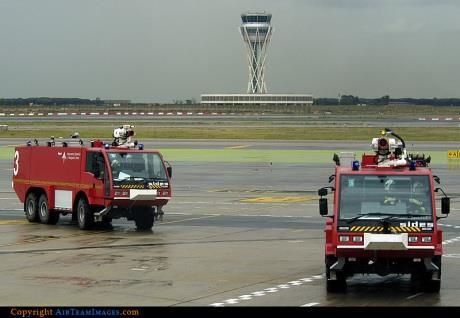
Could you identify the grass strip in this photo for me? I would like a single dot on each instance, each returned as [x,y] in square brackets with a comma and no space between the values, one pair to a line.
[254,156]
[244,133]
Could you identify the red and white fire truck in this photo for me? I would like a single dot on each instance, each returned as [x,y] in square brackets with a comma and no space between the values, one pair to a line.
[94,183]
[384,217]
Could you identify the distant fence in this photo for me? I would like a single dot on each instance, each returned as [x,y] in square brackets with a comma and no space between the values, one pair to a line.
[3,127]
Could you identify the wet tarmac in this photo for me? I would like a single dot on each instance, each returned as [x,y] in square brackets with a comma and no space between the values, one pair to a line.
[233,235]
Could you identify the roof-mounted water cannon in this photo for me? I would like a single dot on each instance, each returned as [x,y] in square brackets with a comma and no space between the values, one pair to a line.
[122,137]
[390,151]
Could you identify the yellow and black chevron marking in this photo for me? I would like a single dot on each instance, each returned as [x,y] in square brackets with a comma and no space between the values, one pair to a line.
[395,229]
[154,186]
[132,186]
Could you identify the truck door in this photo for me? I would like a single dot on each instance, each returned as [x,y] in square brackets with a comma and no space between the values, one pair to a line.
[96,175]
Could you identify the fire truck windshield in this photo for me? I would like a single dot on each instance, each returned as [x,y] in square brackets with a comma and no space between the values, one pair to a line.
[385,195]
[136,166]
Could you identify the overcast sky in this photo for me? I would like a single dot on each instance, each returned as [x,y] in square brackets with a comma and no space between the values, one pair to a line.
[161,50]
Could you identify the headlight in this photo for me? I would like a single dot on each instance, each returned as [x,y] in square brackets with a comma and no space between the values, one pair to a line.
[426,239]
[357,238]
[344,238]
[413,239]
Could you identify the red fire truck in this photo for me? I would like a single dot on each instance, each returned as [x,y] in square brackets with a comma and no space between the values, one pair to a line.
[94,183]
[384,217]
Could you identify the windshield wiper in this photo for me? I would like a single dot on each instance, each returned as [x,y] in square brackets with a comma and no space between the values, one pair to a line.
[365,214]
[130,178]
[387,216]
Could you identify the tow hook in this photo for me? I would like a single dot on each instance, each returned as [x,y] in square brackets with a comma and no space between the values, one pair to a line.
[99,215]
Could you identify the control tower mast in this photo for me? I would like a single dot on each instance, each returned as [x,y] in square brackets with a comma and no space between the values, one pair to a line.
[257,32]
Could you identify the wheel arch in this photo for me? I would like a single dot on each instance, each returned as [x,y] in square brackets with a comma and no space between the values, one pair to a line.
[78,196]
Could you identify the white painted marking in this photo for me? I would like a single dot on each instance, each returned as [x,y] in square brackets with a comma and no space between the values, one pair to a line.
[310,305]
[295,283]
[138,269]
[271,290]
[452,255]
[245,297]
[306,280]
[413,296]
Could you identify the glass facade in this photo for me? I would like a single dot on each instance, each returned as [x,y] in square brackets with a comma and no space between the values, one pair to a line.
[229,99]
[254,18]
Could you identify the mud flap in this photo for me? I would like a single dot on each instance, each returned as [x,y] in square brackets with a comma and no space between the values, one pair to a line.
[337,266]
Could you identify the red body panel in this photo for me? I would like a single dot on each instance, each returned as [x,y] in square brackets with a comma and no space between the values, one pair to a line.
[331,227]
[62,169]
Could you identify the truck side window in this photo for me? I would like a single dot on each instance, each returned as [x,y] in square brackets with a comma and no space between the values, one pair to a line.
[90,161]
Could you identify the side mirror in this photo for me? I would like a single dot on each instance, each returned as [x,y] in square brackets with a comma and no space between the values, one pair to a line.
[436,178]
[169,170]
[445,205]
[323,206]
[331,177]
[322,192]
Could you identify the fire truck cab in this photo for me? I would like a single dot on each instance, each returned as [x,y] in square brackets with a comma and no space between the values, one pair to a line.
[94,183]
[384,217]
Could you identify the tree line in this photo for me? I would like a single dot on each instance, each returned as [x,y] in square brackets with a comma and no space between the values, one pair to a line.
[342,100]
[386,100]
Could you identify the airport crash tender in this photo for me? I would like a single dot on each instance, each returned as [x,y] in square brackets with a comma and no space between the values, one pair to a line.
[95,183]
[384,217]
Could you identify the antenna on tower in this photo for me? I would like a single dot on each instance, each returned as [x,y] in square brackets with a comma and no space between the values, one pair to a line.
[256,31]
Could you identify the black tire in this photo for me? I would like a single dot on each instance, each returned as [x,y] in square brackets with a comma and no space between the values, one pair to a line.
[337,286]
[106,223]
[46,216]
[429,284]
[84,215]
[144,217]
[423,280]
[432,286]
[31,208]
[334,286]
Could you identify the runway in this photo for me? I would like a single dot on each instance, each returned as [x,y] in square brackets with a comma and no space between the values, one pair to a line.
[235,234]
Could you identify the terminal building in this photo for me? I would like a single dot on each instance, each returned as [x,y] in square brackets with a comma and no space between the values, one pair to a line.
[256,31]
[256,99]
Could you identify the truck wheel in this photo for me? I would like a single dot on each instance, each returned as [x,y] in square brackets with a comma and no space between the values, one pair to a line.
[432,286]
[31,208]
[337,286]
[84,215]
[334,286]
[46,216]
[429,284]
[144,218]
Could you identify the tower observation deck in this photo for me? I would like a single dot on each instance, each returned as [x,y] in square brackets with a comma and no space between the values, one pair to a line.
[256,31]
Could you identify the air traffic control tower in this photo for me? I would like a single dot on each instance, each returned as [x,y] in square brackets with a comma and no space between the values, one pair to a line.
[256,31]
